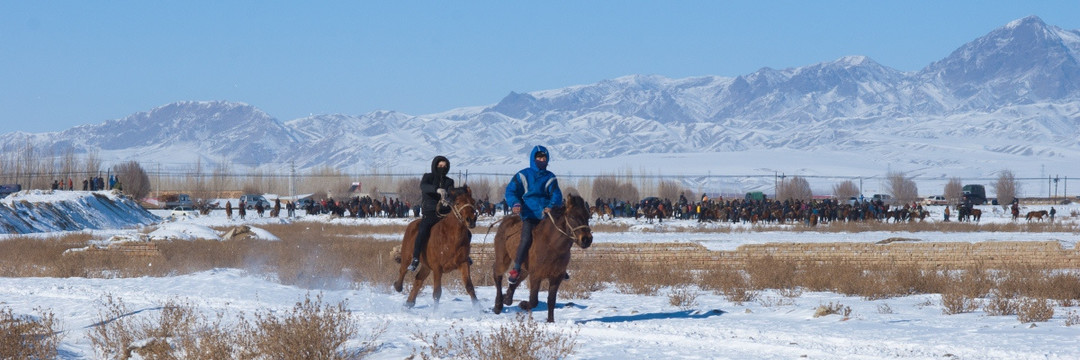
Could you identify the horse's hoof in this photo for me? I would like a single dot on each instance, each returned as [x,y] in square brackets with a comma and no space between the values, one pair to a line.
[498,308]
[508,301]
[410,304]
[397,286]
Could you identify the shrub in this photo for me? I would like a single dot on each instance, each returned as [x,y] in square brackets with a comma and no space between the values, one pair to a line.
[1072,318]
[683,298]
[513,340]
[1000,305]
[830,309]
[311,330]
[954,302]
[1035,310]
[28,337]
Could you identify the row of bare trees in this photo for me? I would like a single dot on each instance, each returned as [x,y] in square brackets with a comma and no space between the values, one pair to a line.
[37,168]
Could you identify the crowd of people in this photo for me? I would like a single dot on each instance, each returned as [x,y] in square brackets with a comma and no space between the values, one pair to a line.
[94,183]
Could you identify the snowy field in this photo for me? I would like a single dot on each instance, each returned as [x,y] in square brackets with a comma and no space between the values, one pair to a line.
[609,324]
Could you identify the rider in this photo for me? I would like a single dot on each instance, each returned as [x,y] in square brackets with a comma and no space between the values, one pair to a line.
[433,186]
[531,193]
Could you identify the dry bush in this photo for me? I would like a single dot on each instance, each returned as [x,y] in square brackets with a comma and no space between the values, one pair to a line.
[1072,318]
[953,302]
[839,309]
[1034,310]
[999,305]
[35,257]
[884,309]
[683,297]
[521,339]
[771,273]
[645,279]
[827,276]
[121,334]
[733,284]
[28,336]
[177,331]
[311,330]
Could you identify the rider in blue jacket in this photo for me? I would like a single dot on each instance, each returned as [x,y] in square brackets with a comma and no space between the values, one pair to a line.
[531,193]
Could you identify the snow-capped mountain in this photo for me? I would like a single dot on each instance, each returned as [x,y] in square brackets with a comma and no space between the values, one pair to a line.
[1014,92]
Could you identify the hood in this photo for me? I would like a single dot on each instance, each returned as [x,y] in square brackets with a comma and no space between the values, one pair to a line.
[532,157]
[435,165]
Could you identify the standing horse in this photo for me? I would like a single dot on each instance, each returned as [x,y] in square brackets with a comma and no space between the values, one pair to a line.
[548,257]
[1037,215]
[447,248]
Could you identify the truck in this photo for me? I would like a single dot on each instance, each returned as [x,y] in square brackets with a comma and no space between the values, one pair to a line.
[8,189]
[173,201]
[755,196]
[974,193]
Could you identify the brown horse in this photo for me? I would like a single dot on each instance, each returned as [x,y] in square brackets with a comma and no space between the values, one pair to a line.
[447,248]
[549,255]
[1037,215]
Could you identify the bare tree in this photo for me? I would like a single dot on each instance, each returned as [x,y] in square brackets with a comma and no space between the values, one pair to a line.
[1006,187]
[796,189]
[132,179]
[902,188]
[221,179]
[668,189]
[845,190]
[605,187]
[409,190]
[954,190]
[482,188]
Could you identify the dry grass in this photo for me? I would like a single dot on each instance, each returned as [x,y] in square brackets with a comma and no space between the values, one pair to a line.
[332,256]
[28,337]
[833,309]
[175,330]
[522,339]
[1035,310]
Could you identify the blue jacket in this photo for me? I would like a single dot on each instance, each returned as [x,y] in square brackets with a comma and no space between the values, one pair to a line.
[534,188]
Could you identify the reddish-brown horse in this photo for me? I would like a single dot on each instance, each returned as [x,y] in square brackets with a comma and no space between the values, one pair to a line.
[1037,215]
[548,257]
[447,248]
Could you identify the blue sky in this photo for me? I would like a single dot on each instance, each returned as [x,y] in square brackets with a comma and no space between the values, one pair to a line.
[68,63]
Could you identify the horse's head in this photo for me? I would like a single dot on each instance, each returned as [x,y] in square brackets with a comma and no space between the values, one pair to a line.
[463,205]
[577,220]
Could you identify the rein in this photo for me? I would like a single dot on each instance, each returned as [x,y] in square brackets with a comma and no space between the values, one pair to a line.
[573,230]
[455,210]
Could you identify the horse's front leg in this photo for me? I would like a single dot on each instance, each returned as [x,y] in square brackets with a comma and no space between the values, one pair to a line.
[498,293]
[436,286]
[466,278]
[553,290]
[421,274]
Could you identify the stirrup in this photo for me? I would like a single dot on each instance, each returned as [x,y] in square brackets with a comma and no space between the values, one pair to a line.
[415,262]
[513,279]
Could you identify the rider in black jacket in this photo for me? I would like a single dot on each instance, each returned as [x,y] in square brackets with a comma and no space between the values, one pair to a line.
[433,187]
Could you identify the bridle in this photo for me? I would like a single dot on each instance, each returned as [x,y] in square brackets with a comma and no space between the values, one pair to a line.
[573,229]
[456,209]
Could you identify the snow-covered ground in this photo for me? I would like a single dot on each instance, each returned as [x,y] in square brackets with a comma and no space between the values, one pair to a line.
[609,324]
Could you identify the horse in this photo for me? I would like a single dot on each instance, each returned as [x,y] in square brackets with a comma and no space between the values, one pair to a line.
[1037,215]
[548,256]
[447,249]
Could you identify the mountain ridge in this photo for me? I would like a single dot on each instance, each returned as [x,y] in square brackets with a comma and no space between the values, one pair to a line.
[1020,83]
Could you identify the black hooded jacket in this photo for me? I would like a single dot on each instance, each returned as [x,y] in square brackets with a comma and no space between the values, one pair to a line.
[432,181]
